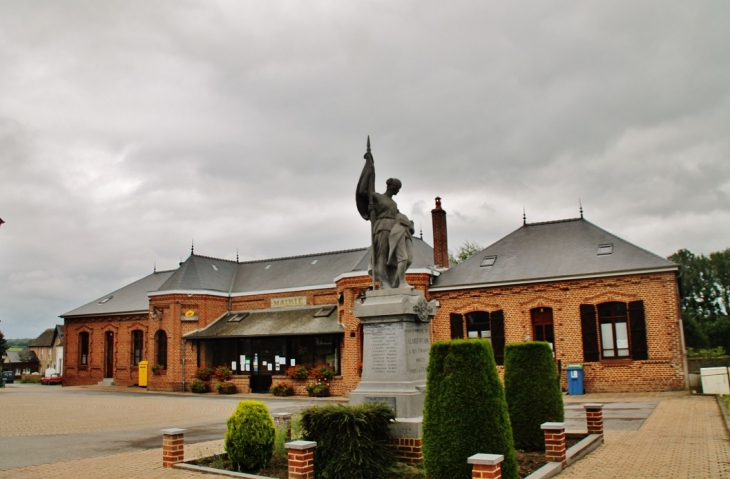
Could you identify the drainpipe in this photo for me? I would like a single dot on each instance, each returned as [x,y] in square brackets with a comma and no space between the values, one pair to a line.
[183,364]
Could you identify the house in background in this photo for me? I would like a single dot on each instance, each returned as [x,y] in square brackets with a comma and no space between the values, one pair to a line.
[20,361]
[48,348]
[598,300]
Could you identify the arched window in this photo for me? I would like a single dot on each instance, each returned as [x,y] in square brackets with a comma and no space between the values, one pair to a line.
[83,349]
[137,343]
[161,344]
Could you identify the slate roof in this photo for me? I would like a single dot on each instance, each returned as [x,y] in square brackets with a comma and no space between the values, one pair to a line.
[203,273]
[129,299]
[14,357]
[305,320]
[301,272]
[45,340]
[551,251]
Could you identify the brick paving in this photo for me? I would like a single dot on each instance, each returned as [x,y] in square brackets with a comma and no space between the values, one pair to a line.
[683,438]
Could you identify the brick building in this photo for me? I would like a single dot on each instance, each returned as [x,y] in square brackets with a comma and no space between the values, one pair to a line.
[599,300]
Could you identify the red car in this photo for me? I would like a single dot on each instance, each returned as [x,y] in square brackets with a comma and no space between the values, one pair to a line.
[54,378]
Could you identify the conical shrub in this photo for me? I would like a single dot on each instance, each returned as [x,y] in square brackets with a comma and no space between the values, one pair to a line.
[532,387]
[465,411]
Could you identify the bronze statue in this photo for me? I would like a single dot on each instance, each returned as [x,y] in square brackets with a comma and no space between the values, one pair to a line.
[391,230]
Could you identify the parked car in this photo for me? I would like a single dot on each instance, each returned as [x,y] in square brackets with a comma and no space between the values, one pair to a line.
[54,378]
[9,377]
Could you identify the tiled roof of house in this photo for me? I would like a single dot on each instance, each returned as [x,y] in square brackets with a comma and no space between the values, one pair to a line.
[552,251]
[45,340]
[129,299]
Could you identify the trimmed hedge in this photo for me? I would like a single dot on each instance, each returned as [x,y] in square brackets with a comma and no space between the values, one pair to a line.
[353,442]
[533,392]
[250,436]
[465,411]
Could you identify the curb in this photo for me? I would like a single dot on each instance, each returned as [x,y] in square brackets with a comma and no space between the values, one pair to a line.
[723,410]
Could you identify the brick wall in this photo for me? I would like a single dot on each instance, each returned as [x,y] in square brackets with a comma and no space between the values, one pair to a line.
[662,371]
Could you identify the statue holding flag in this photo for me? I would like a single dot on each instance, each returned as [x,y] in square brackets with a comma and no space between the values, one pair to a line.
[392,231]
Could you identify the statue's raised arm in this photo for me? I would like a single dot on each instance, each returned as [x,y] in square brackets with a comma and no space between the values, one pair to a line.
[391,230]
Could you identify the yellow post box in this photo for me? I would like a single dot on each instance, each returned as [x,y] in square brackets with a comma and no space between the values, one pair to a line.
[142,379]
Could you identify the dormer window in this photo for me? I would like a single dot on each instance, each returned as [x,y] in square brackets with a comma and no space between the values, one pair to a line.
[105,300]
[604,249]
[488,261]
[215,267]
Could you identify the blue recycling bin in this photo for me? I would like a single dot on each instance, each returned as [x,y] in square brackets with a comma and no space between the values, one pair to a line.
[575,379]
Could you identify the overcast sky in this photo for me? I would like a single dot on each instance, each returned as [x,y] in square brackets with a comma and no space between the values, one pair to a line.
[129,129]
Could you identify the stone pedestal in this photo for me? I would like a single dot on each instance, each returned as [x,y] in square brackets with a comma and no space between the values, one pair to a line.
[396,343]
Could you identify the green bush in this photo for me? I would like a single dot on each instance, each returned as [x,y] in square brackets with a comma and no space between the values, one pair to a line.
[281,389]
[319,390]
[197,386]
[204,373]
[353,442]
[532,388]
[249,439]
[226,387]
[465,411]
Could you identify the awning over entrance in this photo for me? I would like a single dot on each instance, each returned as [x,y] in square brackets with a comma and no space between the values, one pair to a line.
[310,320]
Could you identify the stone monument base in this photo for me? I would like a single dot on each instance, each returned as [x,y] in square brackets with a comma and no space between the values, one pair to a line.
[396,344]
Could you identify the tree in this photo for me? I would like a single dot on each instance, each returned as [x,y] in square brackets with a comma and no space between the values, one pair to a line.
[705,297]
[3,344]
[465,251]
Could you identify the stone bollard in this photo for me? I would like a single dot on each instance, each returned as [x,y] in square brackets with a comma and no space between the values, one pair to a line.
[300,455]
[486,466]
[555,442]
[283,418]
[173,446]
[594,419]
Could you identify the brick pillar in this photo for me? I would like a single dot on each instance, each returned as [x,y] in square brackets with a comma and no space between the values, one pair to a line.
[440,243]
[594,419]
[555,442]
[283,419]
[486,466]
[300,455]
[173,446]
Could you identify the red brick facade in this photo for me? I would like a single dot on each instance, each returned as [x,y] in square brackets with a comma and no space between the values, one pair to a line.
[662,371]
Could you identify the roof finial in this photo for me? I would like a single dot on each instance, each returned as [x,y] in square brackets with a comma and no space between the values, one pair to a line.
[524,216]
[192,246]
[368,143]
[581,208]
[420,225]
[154,269]
[236,255]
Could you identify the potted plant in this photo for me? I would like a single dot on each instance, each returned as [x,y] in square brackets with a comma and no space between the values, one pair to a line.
[297,372]
[323,372]
[281,389]
[157,368]
[223,373]
[204,373]
[197,386]
[319,389]
[226,387]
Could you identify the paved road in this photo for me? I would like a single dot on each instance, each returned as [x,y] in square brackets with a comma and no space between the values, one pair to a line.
[49,424]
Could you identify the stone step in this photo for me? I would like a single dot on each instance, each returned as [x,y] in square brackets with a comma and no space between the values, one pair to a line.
[106,382]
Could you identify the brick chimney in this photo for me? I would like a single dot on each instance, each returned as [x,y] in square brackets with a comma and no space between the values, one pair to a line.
[440,243]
